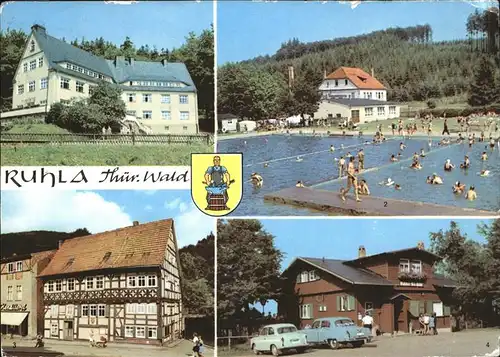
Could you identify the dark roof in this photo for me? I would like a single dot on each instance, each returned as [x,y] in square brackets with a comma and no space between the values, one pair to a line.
[227,116]
[442,281]
[359,102]
[352,275]
[121,70]
[392,252]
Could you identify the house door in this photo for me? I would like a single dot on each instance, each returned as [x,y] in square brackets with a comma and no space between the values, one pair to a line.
[68,330]
[355,116]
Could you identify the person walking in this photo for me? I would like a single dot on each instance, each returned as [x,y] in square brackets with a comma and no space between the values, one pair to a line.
[445,128]
[367,321]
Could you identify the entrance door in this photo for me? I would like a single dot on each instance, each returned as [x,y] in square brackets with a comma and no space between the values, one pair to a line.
[355,116]
[68,330]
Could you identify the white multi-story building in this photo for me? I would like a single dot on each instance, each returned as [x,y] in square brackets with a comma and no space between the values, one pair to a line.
[122,284]
[161,95]
[352,83]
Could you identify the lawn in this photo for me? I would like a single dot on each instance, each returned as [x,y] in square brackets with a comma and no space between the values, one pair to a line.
[100,155]
[36,129]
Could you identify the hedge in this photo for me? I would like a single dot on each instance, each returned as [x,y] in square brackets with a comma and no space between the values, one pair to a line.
[454,112]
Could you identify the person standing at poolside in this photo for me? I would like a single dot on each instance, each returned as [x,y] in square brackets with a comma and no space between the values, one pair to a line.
[352,181]
[361,159]
[445,128]
[341,166]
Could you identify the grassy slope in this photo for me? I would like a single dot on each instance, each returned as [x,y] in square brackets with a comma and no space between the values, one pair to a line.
[37,129]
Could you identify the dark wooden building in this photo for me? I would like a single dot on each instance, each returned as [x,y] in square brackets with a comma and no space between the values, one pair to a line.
[122,284]
[395,287]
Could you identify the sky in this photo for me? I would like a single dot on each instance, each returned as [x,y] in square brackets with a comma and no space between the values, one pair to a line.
[99,211]
[160,24]
[249,29]
[341,238]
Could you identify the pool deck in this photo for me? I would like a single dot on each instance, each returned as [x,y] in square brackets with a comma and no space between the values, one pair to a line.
[331,203]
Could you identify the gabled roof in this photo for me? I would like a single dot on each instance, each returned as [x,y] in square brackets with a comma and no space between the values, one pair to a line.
[141,245]
[340,270]
[394,252]
[358,77]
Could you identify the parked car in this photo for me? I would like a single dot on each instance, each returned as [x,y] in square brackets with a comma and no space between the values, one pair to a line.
[337,331]
[278,338]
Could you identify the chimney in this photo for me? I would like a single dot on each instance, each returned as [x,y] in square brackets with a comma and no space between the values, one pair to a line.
[38,28]
[324,74]
[164,62]
[420,245]
[135,223]
[373,73]
[59,244]
[361,252]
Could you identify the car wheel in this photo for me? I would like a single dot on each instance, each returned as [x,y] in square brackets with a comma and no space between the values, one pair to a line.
[274,350]
[357,344]
[333,344]
[256,351]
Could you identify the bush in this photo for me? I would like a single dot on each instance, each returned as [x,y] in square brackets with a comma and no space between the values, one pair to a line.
[454,112]
[431,104]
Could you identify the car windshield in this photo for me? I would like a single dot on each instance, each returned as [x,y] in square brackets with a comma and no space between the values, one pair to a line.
[344,322]
[287,329]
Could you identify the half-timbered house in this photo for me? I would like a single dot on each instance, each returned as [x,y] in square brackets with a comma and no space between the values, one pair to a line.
[394,287]
[122,284]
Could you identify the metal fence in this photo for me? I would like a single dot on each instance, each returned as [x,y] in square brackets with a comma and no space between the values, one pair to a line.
[105,139]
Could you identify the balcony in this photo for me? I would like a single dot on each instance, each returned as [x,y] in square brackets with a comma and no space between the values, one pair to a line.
[412,276]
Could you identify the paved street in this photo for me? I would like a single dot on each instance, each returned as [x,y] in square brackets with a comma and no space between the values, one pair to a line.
[82,349]
[461,344]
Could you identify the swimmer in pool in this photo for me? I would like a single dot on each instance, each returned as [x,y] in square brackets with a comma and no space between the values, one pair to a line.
[422,153]
[471,195]
[399,155]
[266,164]
[492,143]
[257,180]
[363,188]
[415,157]
[348,155]
[342,146]
[299,184]
[466,163]
[361,159]
[429,143]
[484,156]
[393,158]
[434,180]
[416,165]
[299,159]
[397,186]
[387,182]
[402,146]
[459,187]
[484,173]
[332,148]
[448,166]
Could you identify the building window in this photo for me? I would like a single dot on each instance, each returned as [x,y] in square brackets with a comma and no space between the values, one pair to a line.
[70,284]
[65,83]
[85,310]
[131,97]
[101,310]
[151,332]
[167,128]
[183,99]
[165,98]
[25,67]
[141,308]
[380,111]
[70,310]
[58,285]
[9,293]
[346,82]
[54,329]
[31,86]
[129,331]
[152,280]
[313,276]
[19,266]
[304,277]
[151,309]
[131,282]
[93,310]
[19,292]
[131,308]
[336,83]
[147,114]
[392,110]
[91,90]
[184,128]
[369,111]
[90,283]
[165,114]
[50,286]
[32,46]
[184,116]
[140,332]
[131,112]
[99,282]
[32,65]
[147,98]
[404,266]
[43,101]
[43,83]
[416,266]
[20,88]
[79,86]
[40,62]
[306,311]
[322,308]
[345,303]
[54,310]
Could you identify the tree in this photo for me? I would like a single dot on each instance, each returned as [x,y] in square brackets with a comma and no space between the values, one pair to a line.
[483,89]
[12,44]
[197,265]
[108,97]
[305,94]
[492,235]
[247,266]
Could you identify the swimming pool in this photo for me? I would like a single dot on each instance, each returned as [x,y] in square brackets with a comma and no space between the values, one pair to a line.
[318,168]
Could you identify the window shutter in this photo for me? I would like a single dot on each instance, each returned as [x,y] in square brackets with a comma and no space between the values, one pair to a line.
[122,331]
[338,303]
[428,307]
[298,278]
[310,312]
[350,302]
[77,310]
[106,313]
[414,308]
[446,310]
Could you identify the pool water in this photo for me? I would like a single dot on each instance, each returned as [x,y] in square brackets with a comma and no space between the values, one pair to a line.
[318,168]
